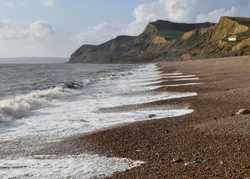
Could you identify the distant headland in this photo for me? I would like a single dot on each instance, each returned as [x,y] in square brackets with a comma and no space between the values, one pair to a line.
[165,40]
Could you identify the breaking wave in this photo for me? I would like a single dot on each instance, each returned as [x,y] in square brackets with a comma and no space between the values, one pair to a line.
[20,106]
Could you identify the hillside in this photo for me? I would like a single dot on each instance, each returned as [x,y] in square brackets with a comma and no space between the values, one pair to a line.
[164,40]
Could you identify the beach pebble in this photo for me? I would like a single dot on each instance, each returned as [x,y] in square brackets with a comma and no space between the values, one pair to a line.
[221,162]
[177,160]
[243,112]
[188,163]
[195,162]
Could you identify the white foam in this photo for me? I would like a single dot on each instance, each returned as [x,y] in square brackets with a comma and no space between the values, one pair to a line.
[66,118]
[172,74]
[81,166]
[178,76]
[177,85]
[185,79]
[82,116]
[145,98]
[162,78]
[19,106]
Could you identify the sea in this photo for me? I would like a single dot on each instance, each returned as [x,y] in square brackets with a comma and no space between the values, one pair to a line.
[43,102]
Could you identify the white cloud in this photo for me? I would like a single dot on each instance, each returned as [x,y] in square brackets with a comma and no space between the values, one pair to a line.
[38,29]
[213,16]
[9,4]
[12,3]
[8,31]
[99,33]
[48,3]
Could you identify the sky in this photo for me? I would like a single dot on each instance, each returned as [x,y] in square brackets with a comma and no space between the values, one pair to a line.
[56,28]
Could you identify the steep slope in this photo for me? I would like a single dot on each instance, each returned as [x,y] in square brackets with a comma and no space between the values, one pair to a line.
[229,37]
[108,52]
[164,40]
[127,49]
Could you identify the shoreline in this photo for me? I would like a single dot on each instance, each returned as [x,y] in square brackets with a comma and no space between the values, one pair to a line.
[211,142]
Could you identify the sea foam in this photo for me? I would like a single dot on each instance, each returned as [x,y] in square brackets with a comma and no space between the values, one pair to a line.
[84,113]
[21,105]
[78,166]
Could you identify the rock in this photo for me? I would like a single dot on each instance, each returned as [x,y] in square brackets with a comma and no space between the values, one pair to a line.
[152,115]
[195,162]
[188,163]
[247,167]
[243,112]
[84,120]
[186,56]
[139,150]
[221,162]
[177,160]
[73,85]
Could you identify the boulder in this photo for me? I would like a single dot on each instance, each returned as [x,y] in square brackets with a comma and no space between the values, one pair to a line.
[152,115]
[243,112]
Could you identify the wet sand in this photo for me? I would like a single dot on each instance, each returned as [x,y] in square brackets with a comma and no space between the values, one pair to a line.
[212,142]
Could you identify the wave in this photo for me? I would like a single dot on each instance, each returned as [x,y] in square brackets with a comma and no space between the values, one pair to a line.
[20,106]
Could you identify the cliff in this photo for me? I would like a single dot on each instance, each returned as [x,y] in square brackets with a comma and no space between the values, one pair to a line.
[164,40]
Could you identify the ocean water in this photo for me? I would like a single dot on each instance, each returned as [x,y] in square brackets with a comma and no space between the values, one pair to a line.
[42,103]
[33,60]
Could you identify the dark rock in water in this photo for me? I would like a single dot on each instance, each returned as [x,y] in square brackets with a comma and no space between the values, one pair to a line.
[73,85]
[243,112]
[152,116]
[82,120]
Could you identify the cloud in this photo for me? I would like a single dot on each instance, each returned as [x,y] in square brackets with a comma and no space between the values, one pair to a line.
[48,3]
[38,29]
[175,10]
[9,4]
[213,16]
[99,33]
[8,31]
[12,3]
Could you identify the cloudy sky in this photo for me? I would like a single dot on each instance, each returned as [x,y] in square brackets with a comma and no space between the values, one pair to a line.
[58,27]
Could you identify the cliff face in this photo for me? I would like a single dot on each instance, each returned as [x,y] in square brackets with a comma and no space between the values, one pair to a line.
[164,40]
[108,52]
[229,37]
